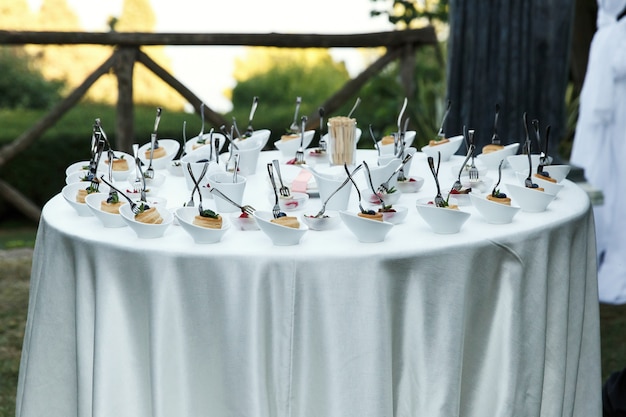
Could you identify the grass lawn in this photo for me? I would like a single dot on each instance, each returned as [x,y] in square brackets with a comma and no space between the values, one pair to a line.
[14,278]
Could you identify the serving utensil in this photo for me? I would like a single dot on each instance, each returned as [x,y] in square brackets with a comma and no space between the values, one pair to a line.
[439,201]
[276,208]
[384,187]
[322,142]
[142,188]
[544,158]
[284,190]
[441,133]
[371,184]
[358,192]
[153,144]
[528,182]
[457,184]
[233,146]
[196,184]
[293,127]
[401,114]
[494,192]
[249,210]
[495,139]
[473,171]
[134,207]
[343,184]
[249,129]
[236,128]
[356,104]
[94,184]
[300,152]
[138,174]
[376,146]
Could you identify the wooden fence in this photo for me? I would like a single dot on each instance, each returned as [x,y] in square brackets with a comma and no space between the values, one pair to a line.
[400,45]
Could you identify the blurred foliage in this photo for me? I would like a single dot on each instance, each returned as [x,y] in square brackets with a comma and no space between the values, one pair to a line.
[23,87]
[414,13]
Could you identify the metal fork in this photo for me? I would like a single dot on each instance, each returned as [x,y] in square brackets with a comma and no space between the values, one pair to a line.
[495,139]
[371,184]
[300,151]
[439,201]
[153,144]
[384,187]
[376,146]
[95,184]
[441,134]
[249,210]
[142,187]
[473,171]
[284,190]
[197,184]
[135,208]
[457,184]
[528,182]
[494,192]
[276,208]
[294,125]
[343,184]
[138,175]
[358,192]
[249,129]
[322,142]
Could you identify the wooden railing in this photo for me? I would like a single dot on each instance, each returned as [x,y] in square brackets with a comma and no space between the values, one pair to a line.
[400,45]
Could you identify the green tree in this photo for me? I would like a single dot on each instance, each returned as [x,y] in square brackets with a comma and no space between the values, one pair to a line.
[277,77]
[412,13]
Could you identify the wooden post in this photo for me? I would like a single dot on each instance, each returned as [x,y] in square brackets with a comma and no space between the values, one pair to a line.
[124,127]
[407,70]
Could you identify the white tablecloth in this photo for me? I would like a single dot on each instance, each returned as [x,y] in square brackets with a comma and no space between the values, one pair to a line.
[498,320]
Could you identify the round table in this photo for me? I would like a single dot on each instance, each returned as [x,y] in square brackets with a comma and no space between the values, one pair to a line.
[494,320]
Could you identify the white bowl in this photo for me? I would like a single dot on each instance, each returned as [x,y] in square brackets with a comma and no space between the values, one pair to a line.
[295,201]
[199,234]
[388,198]
[279,234]
[258,139]
[118,175]
[241,222]
[447,149]
[328,221]
[492,159]
[442,220]
[77,166]
[144,230]
[519,163]
[193,145]
[411,185]
[530,200]
[366,230]
[493,212]
[288,148]
[397,216]
[175,168]
[558,172]
[69,193]
[107,219]
[171,149]
[548,186]
[388,148]
[79,176]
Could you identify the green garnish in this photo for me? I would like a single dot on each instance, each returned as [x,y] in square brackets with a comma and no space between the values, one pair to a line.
[143,207]
[209,213]
[93,188]
[391,190]
[114,198]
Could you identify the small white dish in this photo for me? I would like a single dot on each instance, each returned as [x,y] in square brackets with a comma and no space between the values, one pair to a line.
[118,174]
[259,138]
[558,172]
[279,234]
[79,176]
[289,147]
[492,211]
[70,191]
[145,230]
[411,185]
[529,200]
[446,149]
[388,148]
[397,216]
[548,186]
[243,221]
[295,201]
[193,144]
[77,166]
[329,220]
[199,234]
[442,220]
[492,159]
[366,230]
[175,168]
[171,147]
[519,163]
[107,219]
[388,198]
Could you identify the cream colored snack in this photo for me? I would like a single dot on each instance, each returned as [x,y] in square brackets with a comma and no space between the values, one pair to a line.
[149,216]
[208,222]
[288,221]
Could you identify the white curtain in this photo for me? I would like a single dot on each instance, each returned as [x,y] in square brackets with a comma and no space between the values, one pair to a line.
[599,144]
